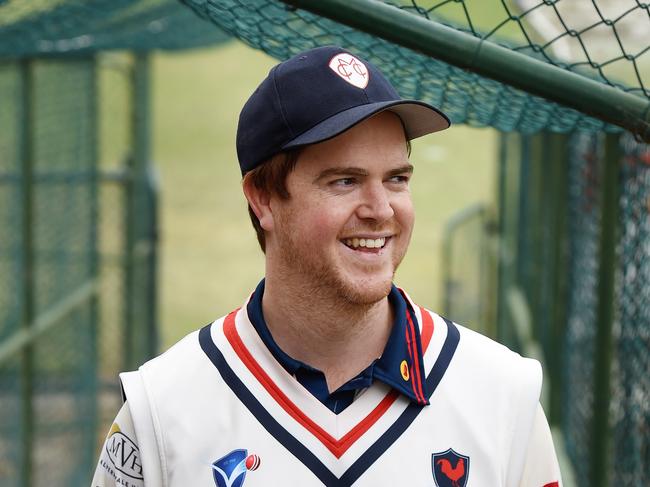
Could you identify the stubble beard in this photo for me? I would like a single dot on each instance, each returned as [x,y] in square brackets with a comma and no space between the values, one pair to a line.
[319,277]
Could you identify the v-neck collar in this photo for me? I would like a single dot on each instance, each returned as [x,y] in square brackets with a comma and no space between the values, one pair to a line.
[400,365]
[338,449]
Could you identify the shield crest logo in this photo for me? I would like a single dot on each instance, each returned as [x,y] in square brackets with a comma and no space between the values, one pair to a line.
[450,469]
[230,470]
[350,69]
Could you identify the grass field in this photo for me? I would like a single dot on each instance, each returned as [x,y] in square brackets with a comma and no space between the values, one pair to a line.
[210,258]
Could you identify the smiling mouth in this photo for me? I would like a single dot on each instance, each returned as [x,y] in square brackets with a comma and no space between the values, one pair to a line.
[365,243]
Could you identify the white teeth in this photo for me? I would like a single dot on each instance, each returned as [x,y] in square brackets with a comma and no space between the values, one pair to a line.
[368,243]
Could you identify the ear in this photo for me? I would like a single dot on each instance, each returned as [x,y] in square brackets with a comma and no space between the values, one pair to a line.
[260,202]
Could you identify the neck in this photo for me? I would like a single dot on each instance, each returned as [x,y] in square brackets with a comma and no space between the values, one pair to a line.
[319,328]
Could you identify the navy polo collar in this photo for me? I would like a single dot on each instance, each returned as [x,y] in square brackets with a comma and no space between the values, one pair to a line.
[395,367]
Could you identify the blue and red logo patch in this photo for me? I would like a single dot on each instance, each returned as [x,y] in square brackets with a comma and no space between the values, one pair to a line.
[450,469]
[230,470]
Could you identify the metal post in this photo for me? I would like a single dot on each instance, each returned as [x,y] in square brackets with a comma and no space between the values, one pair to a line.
[93,257]
[146,203]
[609,210]
[28,271]
[523,217]
[508,188]
[535,228]
[456,222]
[152,263]
[500,311]
[446,267]
[136,343]
[128,282]
[558,161]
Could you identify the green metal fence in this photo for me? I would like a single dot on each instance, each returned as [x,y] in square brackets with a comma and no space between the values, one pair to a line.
[465,268]
[573,271]
[78,225]
[570,273]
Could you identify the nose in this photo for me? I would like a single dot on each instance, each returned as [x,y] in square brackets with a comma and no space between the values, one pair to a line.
[376,203]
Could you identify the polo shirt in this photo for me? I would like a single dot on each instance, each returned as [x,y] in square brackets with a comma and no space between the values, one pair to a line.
[403,346]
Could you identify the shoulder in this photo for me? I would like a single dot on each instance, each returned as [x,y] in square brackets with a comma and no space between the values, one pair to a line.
[180,367]
[157,395]
[181,359]
[478,357]
[496,388]
[494,355]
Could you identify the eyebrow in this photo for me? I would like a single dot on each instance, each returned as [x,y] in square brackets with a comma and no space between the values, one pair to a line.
[357,171]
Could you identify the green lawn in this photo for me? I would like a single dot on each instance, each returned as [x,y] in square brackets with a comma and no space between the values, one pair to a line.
[210,258]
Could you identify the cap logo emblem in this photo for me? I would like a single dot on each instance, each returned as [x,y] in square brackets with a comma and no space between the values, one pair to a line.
[350,69]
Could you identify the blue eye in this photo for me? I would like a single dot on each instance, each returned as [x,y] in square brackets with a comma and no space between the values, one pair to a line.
[344,182]
[400,179]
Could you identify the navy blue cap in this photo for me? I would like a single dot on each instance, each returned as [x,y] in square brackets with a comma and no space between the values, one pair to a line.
[316,95]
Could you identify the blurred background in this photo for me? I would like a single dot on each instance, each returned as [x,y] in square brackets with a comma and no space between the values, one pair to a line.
[124,226]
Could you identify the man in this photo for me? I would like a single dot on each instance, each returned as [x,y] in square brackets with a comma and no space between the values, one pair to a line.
[329,374]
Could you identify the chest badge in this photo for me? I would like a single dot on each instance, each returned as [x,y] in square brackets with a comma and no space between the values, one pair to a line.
[230,470]
[450,469]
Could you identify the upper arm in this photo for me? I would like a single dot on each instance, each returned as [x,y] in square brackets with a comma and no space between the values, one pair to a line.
[541,467]
[119,460]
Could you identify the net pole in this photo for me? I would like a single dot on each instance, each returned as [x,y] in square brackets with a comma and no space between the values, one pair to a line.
[609,210]
[558,158]
[28,271]
[129,223]
[487,59]
[146,205]
[93,262]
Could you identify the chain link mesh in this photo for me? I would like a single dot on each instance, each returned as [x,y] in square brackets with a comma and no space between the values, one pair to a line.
[10,266]
[468,98]
[605,39]
[573,357]
[30,28]
[68,386]
[464,269]
[586,150]
[630,407]
[59,375]
[602,39]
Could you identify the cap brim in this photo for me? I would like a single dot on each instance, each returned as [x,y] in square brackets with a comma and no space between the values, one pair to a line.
[418,118]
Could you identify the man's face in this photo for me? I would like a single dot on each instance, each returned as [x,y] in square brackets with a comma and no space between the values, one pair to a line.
[349,218]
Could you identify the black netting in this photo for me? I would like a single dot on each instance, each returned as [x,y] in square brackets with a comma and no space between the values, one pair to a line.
[584,231]
[466,97]
[630,407]
[51,203]
[65,198]
[30,28]
[606,39]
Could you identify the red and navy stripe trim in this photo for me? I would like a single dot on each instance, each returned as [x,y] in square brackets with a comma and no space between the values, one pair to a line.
[337,447]
[300,451]
[415,355]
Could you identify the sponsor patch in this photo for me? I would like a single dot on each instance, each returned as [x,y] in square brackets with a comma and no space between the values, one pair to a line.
[230,470]
[123,453]
[450,469]
[350,69]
